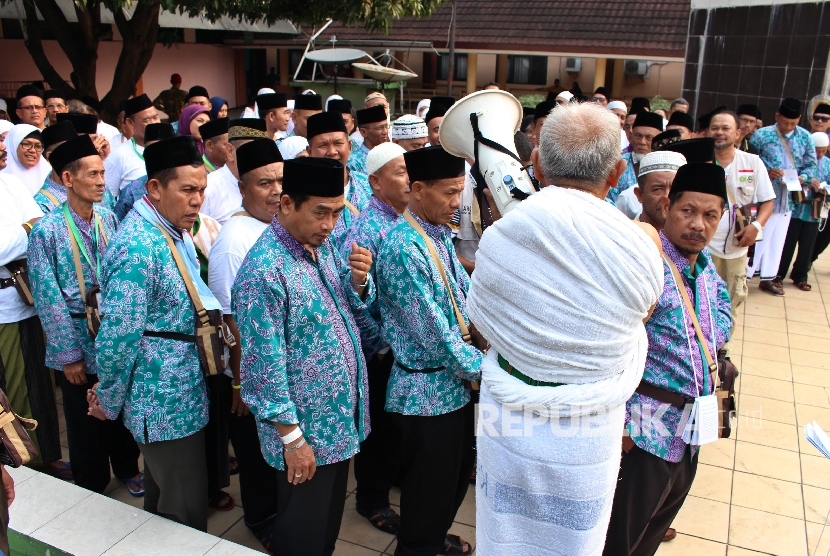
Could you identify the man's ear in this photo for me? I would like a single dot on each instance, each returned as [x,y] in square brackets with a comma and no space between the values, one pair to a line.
[537,167]
[638,193]
[154,189]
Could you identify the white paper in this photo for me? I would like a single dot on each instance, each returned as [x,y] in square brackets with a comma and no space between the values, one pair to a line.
[791,180]
[706,427]
[818,438]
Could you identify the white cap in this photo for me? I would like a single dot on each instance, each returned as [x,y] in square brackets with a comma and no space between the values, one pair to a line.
[661,161]
[380,155]
[290,147]
[565,95]
[3,106]
[409,127]
[821,139]
[331,98]
[617,105]
[265,91]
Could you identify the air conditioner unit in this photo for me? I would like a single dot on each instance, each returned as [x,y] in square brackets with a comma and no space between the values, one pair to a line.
[637,67]
[573,65]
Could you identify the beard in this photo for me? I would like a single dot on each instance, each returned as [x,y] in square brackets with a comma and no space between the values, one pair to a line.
[637,157]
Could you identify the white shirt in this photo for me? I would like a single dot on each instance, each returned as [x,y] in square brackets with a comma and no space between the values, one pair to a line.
[122,166]
[623,141]
[107,131]
[16,207]
[629,205]
[222,196]
[748,182]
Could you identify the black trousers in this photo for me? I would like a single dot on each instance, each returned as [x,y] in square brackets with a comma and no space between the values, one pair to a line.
[95,444]
[822,241]
[650,492]
[803,234]
[175,479]
[216,433]
[436,462]
[309,514]
[257,480]
[376,464]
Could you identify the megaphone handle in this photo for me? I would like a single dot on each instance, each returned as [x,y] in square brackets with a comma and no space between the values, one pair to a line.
[479,138]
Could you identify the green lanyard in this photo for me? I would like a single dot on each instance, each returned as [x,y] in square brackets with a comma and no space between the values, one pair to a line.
[95,225]
[135,148]
[210,167]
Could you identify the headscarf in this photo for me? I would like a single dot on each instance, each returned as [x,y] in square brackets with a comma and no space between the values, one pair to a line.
[33,177]
[290,147]
[423,104]
[217,103]
[188,114]
[5,125]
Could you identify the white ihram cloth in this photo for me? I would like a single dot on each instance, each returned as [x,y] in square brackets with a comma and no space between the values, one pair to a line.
[561,286]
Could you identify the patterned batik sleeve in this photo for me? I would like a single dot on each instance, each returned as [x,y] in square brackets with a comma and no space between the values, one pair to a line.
[260,311]
[49,301]
[412,294]
[810,161]
[129,275]
[723,318]
[371,338]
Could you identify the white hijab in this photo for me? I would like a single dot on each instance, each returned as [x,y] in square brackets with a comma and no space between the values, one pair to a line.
[5,125]
[34,177]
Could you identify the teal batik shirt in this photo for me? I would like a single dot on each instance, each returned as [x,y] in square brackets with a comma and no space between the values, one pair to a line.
[626,181]
[302,363]
[357,160]
[156,384]
[55,284]
[360,192]
[420,324]
[58,191]
[774,155]
[803,211]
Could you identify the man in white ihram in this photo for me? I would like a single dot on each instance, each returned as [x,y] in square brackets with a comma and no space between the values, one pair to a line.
[561,288]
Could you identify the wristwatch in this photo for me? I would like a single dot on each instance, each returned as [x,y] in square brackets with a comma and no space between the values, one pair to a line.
[760,228]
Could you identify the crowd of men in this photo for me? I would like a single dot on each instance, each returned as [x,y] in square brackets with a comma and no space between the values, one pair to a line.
[315,284]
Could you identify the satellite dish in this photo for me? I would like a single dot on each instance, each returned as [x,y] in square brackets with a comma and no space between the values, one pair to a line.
[336,55]
[384,74]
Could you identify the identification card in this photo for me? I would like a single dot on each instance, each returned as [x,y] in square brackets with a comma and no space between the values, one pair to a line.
[702,426]
[791,180]
[98,301]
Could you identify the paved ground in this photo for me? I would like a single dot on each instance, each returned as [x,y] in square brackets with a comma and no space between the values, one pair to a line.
[764,491]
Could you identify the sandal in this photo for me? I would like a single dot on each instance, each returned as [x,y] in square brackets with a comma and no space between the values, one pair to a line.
[771,287]
[454,546]
[670,535]
[222,502]
[385,520]
[233,465]
[62,470]
[139,486]
[803,286]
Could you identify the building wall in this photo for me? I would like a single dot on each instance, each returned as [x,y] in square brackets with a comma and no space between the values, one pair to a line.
[755,53]
[198,64]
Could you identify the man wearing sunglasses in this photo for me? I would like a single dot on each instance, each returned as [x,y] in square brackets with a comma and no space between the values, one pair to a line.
[821,118]
[30,107]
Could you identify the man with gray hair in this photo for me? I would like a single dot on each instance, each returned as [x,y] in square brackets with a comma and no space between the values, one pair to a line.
[566,362]
[679,105]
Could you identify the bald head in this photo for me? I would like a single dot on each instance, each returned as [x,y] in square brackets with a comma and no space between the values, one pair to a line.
[580,144]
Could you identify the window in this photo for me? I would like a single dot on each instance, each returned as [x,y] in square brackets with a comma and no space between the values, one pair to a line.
[527,70]
[460,73]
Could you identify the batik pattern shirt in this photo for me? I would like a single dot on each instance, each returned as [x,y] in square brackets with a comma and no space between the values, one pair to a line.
[55,288]
[360,192]
[357,160]
[804,211]
[53,188]
[369,230]
[156,384]
[675,361]
[131,193]
[302,363]
[627,180]
[420,324]
[774,155]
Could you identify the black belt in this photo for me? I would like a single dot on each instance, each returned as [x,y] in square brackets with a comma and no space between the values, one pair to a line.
[78,315]
[421,371]
[171,336]
[661,395]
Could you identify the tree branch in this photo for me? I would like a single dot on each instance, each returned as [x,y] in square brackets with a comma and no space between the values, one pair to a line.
[34,45]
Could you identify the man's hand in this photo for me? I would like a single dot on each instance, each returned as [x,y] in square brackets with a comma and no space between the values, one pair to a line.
[746,237]
[101,145]
[238,407]
[94,405]
[30,223]
[494,208]
[775,173]
[627,444]
[8,485]
[300,464]
[75,373]
[360,261]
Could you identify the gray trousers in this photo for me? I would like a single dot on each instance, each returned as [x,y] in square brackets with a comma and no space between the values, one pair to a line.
[175,480]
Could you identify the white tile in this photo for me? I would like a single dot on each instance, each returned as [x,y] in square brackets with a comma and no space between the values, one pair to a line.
[92,526]
[161,537]
[40,499]
[21,474]
[227,548]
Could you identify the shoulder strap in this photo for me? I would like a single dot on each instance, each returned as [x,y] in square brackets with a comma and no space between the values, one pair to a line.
[786,146]
[681,285]
[351,207]
[241,213]
[201,313]
[52,198]
[465,332]
[76,256]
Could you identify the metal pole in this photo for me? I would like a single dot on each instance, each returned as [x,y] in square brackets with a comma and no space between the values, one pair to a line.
[451,65]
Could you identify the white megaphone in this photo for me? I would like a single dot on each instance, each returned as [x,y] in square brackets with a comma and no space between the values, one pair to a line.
[481,127]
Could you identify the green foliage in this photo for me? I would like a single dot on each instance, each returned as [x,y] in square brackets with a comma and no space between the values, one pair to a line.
[659,102]
[530,101]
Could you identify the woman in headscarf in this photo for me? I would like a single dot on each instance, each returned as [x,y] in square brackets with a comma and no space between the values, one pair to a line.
[220,108]
[25,156]
[5,127]
[192,117]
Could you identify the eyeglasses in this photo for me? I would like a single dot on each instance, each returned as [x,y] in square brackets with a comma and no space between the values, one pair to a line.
[822,119]
[35,147]
[598,99]
[32,108]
